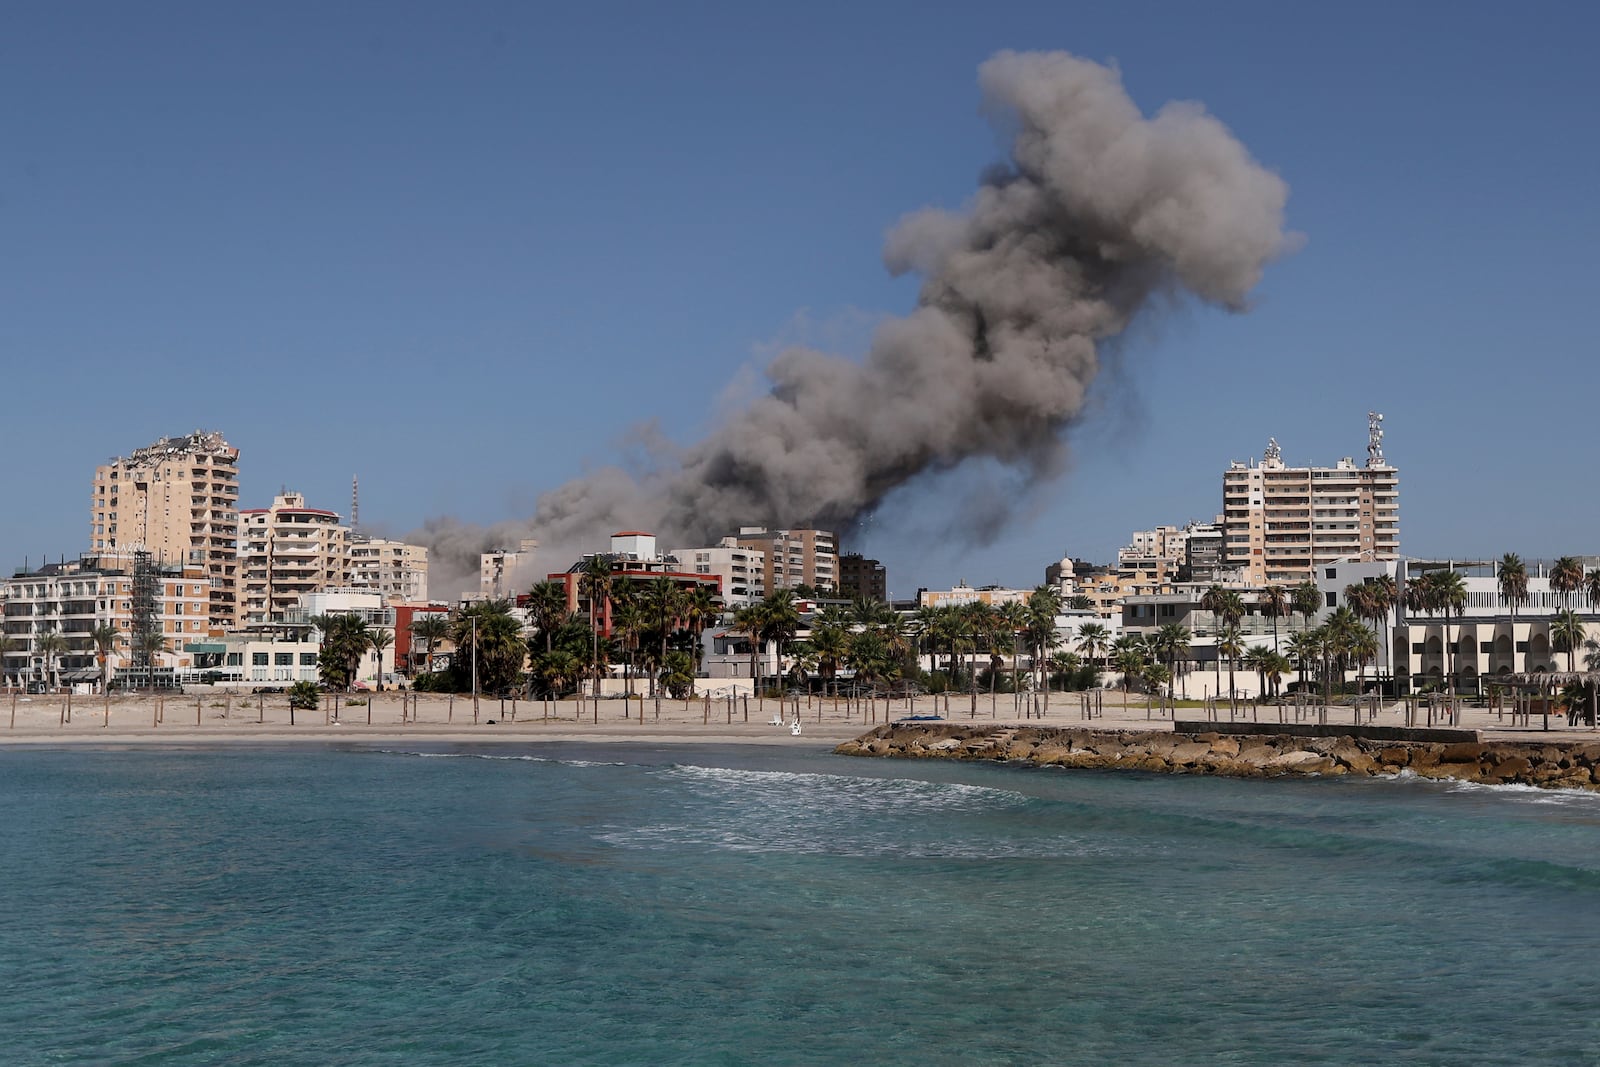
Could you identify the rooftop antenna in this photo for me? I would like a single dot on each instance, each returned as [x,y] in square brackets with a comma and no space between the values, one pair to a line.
[1374,439]
[355,503]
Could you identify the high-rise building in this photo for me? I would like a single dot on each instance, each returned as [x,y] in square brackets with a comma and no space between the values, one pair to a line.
[179,500]
[861,578]
[794,557]
[505,572]
[1281,523]
[394,569]
[287,551]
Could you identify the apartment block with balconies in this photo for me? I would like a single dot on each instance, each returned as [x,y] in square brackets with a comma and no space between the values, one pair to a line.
[1280,523]
[287,551]
[179,500]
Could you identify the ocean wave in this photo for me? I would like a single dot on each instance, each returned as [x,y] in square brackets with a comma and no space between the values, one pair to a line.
[807,839]
[863,793]
[1531,794]
[501,756]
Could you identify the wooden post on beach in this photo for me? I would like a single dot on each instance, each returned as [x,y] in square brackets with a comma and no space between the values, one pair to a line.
[227,706]
[155,715]
[261,708]
[13,709]
[450,712]
[63,714]
[197,701]
[369,711]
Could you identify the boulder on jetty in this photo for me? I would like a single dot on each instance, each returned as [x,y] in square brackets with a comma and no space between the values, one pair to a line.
[1562,766]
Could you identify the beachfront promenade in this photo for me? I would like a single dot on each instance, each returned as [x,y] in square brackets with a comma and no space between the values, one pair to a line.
[217,716]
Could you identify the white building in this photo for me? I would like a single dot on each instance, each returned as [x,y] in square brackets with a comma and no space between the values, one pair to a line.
[393,569]
[505,572]
[740,569]
[74,598]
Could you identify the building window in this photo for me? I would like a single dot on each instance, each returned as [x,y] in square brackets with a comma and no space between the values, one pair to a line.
[1333,598]
[236,659]
[258,659]
[283,659]
[308,659]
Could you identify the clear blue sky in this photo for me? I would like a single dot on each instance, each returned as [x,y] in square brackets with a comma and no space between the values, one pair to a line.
[461,250]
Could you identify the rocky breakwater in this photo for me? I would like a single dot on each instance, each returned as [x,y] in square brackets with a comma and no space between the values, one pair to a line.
[1557,766]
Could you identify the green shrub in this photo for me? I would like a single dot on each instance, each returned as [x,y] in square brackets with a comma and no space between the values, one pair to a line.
[304,695]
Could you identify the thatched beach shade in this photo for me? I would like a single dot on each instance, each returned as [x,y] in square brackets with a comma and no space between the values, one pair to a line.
[1550,681]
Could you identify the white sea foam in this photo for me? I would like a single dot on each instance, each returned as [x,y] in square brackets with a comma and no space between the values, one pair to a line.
[899,793]
[808,838]
[496,756]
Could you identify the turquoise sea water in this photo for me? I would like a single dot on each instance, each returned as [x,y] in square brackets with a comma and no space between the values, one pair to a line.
[729,905]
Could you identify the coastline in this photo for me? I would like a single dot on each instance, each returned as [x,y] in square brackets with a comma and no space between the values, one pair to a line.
[1552,764]
[220,718]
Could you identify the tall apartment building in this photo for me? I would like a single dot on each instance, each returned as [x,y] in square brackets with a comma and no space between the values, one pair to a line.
[179,500]
[74,598]
[861,578]
[794,557]
[393,569]
[505,572]
[1281,523]
[288,550]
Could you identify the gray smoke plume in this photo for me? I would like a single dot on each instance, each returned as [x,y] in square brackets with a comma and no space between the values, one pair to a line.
[1096,211]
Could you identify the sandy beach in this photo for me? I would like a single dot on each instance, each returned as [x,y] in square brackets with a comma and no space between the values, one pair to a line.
[218,717]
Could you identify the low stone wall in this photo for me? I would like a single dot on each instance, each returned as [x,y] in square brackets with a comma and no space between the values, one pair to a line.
[1564,766]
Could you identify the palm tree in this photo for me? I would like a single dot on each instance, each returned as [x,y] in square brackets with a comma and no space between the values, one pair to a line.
[628,619]
[1230,643]
[1307,601]
[1385,596]
[748,620]
[1128,658]
[975,619]
[104,637]
[1274,603]
[595,580]
[1304,648]
[1566,577]
[1093,639]
[547,609]
[1171,643]
[1567,633]
[830,642]
[1449,592]
[1511,576]
[431,628]
[50,645]
[379,640]
[1259,659]
[780,620]
[663,601]
[701,609]
[1363,649]
[1227,608]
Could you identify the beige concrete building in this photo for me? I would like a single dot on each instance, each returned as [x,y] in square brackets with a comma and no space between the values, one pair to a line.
[741,570]
[179,500]
[1280,523]
[793,557]
[286,551]
[393,569]
[505,572]
[74,598]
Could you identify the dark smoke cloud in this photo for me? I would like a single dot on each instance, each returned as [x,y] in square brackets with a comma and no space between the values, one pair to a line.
[1097,211]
